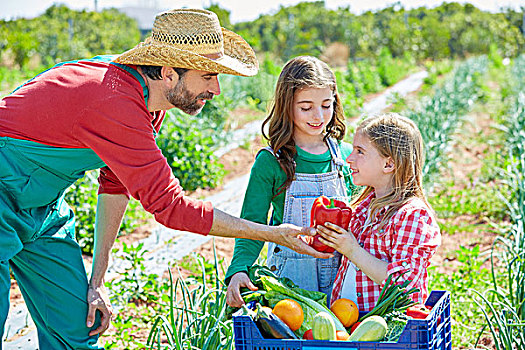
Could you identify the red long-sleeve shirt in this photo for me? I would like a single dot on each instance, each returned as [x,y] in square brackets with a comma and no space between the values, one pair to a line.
[99,106]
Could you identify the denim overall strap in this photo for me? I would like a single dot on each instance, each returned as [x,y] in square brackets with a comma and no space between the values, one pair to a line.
[338,163]
[304,270]
[335,151]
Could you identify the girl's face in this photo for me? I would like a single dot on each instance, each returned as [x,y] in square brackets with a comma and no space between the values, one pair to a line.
[369,168]
[312,110]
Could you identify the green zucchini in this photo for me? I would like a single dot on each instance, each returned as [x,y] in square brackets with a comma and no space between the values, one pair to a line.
[323,327]
[373,328]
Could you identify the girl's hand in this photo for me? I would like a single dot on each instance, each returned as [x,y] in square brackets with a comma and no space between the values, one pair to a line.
[233,293]
[338,238]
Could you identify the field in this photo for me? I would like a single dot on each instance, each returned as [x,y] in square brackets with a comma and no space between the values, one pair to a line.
[470,110]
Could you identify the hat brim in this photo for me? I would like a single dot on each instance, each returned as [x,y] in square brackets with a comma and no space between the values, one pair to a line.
[238,58]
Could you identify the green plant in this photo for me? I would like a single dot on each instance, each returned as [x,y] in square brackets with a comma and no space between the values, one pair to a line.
[494,56]
[369,76]
[388,72]
[480,200]
[503,305]
[194,265]
[82,197]
[133,284]
[469,275]
[196,320]
[188,143]
[439,116]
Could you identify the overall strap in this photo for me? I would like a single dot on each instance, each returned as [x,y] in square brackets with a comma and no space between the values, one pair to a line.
[99,58]
[335,151]
[267,148]
[136,74]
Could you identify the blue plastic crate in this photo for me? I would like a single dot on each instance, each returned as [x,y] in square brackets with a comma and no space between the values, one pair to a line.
[432,333]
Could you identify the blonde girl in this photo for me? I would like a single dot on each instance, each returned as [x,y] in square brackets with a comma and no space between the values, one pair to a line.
[304,160]
[393,229]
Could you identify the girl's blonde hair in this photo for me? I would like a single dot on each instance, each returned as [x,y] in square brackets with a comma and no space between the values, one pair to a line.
[399,138]
[298,73]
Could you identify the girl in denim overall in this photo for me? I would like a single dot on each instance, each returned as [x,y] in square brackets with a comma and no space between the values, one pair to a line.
[304,161]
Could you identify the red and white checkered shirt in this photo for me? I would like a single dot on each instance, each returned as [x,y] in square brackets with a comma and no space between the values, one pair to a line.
[407,242]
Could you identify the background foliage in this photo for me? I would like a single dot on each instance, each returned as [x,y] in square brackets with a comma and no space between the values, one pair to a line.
[450,30]
[62,34]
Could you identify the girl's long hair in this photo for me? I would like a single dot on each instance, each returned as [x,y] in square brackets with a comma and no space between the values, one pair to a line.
[399,138]
[300,72]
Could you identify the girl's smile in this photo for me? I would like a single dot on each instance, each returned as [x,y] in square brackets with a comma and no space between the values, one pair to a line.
[316,125]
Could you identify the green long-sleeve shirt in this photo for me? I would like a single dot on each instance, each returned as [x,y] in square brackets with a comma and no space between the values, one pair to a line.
[265,179]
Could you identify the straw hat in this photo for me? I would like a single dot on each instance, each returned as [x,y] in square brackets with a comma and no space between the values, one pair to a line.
[193,39]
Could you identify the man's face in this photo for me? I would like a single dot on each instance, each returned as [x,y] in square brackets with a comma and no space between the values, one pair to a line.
[192,90]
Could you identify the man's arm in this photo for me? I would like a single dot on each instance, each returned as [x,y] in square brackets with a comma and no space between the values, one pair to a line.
[110,211]
[225,225]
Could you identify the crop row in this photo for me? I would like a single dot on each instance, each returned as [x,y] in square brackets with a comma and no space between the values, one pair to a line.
[504,304]
[439,116]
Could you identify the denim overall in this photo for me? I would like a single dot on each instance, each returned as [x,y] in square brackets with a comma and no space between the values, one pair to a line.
[37,237]
[304,270]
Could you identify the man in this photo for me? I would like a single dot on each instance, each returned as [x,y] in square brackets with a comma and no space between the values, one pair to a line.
[105,114]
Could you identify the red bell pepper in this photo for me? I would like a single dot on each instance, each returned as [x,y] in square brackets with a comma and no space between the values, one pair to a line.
[418,311]
[327,210]
[354,327]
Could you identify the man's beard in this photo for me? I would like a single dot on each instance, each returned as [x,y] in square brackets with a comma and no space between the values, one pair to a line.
[182,98]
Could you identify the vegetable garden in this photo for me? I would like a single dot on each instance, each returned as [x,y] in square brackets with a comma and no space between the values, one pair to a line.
[471,112]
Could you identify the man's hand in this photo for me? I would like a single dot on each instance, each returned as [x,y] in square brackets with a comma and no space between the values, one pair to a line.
[233,293]
[226,225]
[97,299]
[288,236]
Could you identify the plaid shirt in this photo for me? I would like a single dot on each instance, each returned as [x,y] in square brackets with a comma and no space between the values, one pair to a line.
[407,242]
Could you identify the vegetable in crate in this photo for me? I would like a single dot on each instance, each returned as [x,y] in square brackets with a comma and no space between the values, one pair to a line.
[290,312]
[346,311]
[245,311]
[341,335]
[354,327]
[271,326]
[396,322]
[373,328]
[308,335]
[327,210]
[421,311]
[276,290]
[393,297]
[323,327]
[418,311]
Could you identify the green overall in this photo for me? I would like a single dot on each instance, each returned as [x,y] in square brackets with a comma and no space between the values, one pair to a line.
[37,237]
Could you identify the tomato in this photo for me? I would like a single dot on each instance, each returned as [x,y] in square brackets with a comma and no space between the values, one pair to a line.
[308,335]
